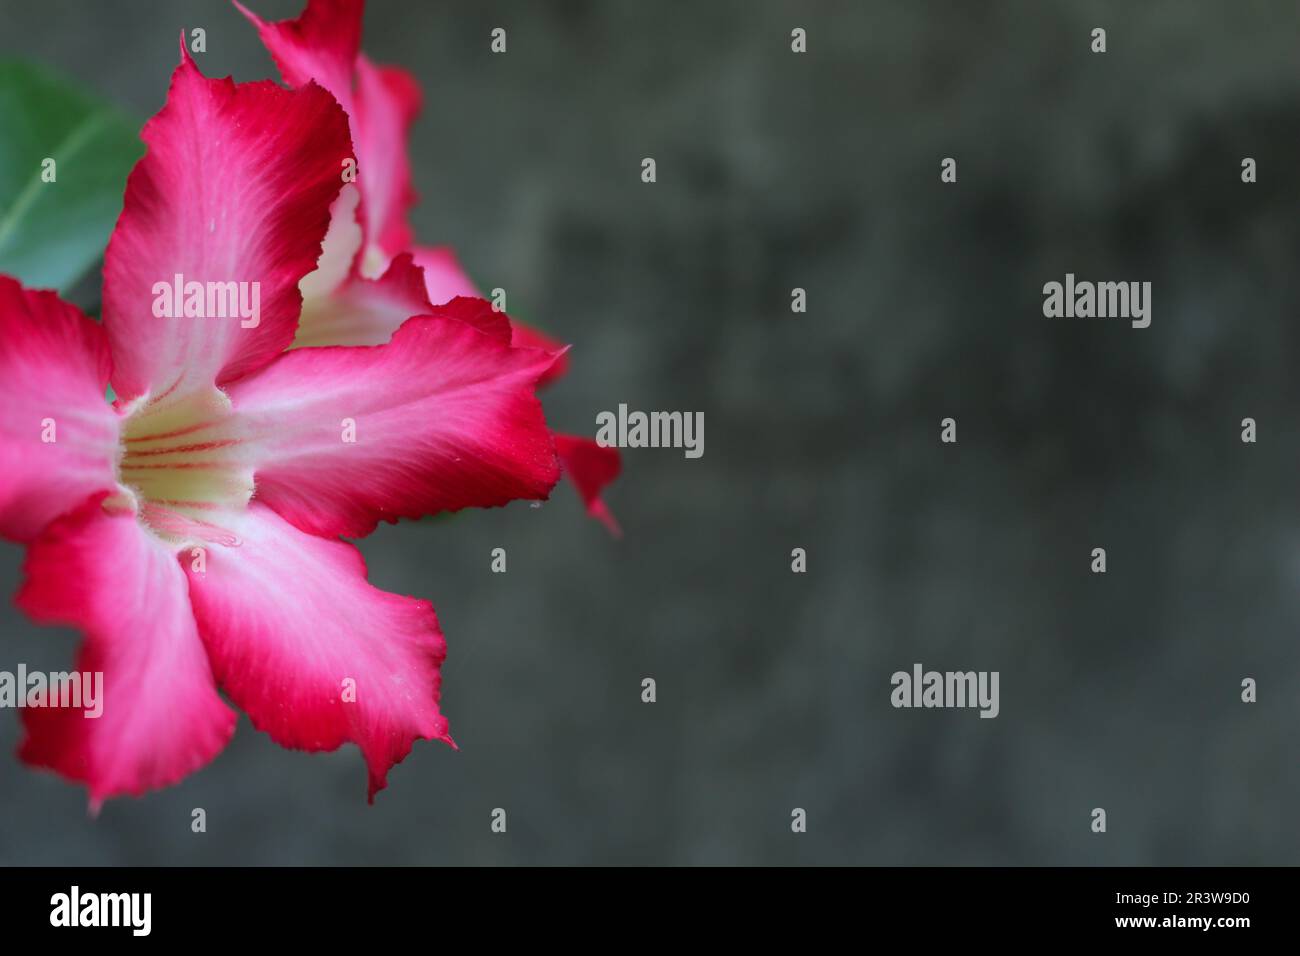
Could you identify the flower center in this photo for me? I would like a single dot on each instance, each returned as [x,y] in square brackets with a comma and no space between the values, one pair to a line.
[180,458]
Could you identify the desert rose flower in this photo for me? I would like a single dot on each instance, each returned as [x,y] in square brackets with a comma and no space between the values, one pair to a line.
[370,237]
[192,529]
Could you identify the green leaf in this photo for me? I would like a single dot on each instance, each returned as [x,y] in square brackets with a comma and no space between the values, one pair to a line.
[51,233]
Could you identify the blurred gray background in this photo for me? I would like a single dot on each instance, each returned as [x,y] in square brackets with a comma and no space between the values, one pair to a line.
[822,431]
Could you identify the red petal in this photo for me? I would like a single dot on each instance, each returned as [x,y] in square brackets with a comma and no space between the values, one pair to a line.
[526,337]
[591,467]
[161,716]
[445,280]
[288,618]
[387,102]
[443,273]
[478,313]
[236,186]
[444,418]
[54,369]
[323,44]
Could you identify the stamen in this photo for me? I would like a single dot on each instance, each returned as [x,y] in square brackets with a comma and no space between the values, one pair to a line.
[176,525]
[180,460]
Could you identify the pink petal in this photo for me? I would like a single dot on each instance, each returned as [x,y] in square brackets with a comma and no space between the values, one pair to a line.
[236,186]
[365,311]
[338,255]
[527,337]
[288,619]
[161,716]
[443,274]
[478,313]
[590,467]
[54,369]
[444,418]
[446,279]
[387,103]
[323,44]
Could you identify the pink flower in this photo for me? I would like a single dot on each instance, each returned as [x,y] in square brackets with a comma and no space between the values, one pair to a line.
[370,238]
[192,529]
